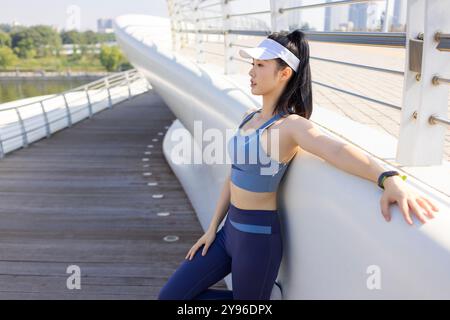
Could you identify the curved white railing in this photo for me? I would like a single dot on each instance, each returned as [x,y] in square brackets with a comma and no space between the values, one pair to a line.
[25,121]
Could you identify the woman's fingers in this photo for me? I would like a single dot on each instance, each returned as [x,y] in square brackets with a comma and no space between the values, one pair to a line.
[434,206]
[385,209]
[426,206]
[193,250]
[189,252]
[404,208]
[417,211]
[205,249]
[202,241]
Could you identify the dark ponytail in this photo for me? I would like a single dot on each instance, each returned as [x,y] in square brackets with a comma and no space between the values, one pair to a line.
[297,95]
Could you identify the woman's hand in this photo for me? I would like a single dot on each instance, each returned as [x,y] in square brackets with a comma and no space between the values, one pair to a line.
[207,239]
[396,190]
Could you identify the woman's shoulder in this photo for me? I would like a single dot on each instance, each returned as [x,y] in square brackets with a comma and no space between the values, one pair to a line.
[295,118]
[295,121]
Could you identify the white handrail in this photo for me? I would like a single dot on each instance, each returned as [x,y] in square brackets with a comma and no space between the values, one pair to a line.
[92,91]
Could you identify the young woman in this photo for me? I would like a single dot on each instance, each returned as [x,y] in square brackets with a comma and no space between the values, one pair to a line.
[249,244]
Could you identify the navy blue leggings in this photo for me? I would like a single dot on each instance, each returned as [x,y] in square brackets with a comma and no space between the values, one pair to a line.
[249,245]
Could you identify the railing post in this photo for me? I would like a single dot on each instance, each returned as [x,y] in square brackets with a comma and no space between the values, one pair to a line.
[421,143]
[173,7]
[69,115]
[183,37]
[230,65]
[2,153]
[109,93]
[198,36]
[128,85]
[47,124]
[89,101]
[279,21]
[22,129]
[387,9]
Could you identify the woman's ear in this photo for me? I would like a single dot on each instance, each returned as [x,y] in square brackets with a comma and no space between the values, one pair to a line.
[286,73]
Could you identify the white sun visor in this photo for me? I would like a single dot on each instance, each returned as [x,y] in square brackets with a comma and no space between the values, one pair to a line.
[270,49]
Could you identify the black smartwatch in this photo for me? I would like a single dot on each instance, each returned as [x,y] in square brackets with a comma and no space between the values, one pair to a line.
[386,174]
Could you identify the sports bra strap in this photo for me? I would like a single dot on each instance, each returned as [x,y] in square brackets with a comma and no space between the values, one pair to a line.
[248,117]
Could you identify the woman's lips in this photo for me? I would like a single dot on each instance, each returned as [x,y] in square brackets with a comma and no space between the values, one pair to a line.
[252,84]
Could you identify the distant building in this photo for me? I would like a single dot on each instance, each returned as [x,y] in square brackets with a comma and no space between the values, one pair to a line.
[336,18]
[399,15]
[374,11]
[105,26]
[357,14]
[295,16]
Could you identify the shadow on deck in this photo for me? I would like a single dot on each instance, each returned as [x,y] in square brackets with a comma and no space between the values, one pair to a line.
[81,198]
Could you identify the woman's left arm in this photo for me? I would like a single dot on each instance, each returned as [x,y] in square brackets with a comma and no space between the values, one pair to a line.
[350,159]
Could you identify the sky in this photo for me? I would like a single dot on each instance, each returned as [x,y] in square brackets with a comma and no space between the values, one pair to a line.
[54,12]
[65,14]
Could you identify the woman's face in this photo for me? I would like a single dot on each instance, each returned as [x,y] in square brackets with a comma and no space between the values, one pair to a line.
[265,76]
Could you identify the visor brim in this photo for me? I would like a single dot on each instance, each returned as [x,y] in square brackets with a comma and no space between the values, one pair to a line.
[257,53]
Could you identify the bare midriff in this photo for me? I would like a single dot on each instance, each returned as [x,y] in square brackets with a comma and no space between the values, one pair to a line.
[249,200]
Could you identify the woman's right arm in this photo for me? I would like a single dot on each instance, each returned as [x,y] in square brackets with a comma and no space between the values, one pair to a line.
[208,237]
[222,206]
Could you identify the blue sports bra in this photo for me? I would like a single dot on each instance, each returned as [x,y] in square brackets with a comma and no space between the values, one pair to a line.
[252,169]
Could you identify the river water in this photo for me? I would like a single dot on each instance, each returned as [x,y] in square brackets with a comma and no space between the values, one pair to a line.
[11,90]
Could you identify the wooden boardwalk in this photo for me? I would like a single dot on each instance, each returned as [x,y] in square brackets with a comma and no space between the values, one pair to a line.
[81,198]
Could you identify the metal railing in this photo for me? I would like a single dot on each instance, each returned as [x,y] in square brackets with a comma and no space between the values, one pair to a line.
[392,39]
[382,39]
[109,90]
[228,27]
[443,40]
[326,4]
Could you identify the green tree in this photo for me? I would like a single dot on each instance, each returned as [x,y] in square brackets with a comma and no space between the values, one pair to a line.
[5,39]
[5,27]
[7,57]
[24,47]
[37,40]
[71,37]
[47,40]
[105,37]
[90,37]
[111,57]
